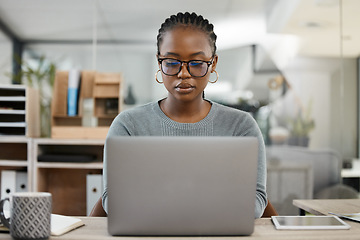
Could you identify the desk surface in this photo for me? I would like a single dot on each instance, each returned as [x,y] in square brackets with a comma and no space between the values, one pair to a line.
[324,206]
[96,228]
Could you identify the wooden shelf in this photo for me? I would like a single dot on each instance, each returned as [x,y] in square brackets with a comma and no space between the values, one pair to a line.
[66,181]
[102,87]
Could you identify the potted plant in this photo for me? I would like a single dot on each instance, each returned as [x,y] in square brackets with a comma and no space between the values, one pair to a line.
[300,127]
[41,76]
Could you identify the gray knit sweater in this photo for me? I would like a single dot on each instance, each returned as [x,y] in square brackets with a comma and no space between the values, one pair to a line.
[149,120]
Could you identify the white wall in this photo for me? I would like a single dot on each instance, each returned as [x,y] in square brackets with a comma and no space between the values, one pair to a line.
[136,63]
[316,79]
[5,58]
[319,80]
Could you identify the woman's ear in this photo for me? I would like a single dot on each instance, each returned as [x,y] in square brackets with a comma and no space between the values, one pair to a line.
[214,62]
[157,57]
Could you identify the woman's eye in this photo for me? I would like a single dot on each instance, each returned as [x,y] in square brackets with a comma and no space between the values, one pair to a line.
[195,64]
[172,64]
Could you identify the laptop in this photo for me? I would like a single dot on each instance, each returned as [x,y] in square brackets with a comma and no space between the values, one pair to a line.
[181,186]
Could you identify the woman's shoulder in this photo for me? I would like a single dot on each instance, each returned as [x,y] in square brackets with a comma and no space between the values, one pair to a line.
[135,113]
[227,111]
[139,110]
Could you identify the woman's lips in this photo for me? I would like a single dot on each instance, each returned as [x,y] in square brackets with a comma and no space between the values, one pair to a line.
[184,88]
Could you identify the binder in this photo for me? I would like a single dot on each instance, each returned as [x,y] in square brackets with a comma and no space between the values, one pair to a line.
[8,185]
[73,92]
[21,184]
[94,189]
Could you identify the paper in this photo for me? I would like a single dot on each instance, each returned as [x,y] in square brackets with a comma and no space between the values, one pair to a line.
[62,224]
[350,216]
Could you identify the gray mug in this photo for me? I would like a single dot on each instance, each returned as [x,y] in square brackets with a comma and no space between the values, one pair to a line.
[30,215]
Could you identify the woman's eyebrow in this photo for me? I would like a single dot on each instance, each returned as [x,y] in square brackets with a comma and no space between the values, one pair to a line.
[178,55]
[198,53]
[171,54]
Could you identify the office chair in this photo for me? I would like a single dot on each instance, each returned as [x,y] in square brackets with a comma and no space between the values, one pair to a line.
[98,210]
[269,211]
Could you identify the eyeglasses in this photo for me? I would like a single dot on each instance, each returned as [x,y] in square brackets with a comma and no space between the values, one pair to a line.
[196,68]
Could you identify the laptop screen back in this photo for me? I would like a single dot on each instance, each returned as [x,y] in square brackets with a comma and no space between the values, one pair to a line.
[181,185]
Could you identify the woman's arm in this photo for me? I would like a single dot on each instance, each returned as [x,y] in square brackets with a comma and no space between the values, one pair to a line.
[119,127]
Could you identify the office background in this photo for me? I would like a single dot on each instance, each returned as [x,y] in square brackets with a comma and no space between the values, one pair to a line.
[308,48]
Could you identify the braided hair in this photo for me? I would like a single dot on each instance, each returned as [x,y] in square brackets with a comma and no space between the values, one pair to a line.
[187,19]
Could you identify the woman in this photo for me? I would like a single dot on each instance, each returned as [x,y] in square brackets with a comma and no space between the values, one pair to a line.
[186,58]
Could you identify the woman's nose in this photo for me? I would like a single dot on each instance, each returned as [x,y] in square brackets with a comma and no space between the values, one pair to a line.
[184,73]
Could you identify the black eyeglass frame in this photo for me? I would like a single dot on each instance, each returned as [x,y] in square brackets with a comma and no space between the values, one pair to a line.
[160,60]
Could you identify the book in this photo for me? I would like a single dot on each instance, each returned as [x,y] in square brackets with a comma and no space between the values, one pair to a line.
[60,224]
[73,92]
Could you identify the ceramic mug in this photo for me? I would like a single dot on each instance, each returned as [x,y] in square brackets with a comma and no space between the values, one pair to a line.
[30,215]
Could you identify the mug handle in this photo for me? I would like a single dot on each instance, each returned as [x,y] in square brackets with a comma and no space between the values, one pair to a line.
[5,221]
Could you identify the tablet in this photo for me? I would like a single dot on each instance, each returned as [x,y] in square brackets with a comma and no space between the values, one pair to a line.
[309,222]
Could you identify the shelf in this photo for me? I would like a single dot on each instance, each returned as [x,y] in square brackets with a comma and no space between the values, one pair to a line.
[19,111]
[12,87]
[66,181]
[13,124]
[52,141]
[62,165]
[13,99]
[350,173]
[12,111]
[14,139]
[13,163]
[106,91]
[68,117]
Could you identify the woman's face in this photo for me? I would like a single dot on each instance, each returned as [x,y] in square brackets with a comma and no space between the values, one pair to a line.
[185,44]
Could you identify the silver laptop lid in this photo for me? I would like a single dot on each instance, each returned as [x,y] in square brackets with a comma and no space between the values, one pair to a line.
[181,185]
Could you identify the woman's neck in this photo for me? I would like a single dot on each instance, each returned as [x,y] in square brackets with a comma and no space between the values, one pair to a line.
[185,112]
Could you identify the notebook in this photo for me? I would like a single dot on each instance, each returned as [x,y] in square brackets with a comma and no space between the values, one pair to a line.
[60,224]
[181,186]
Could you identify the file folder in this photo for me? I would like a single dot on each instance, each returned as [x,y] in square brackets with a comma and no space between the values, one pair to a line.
[94,189]
[21,183]
[8,185]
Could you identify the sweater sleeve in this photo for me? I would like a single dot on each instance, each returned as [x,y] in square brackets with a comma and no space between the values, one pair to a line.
[121,126]
[250,128]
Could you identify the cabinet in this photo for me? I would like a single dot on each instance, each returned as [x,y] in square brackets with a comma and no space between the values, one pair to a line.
[66,181]
[19,111]
[15,155]
[287,181]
